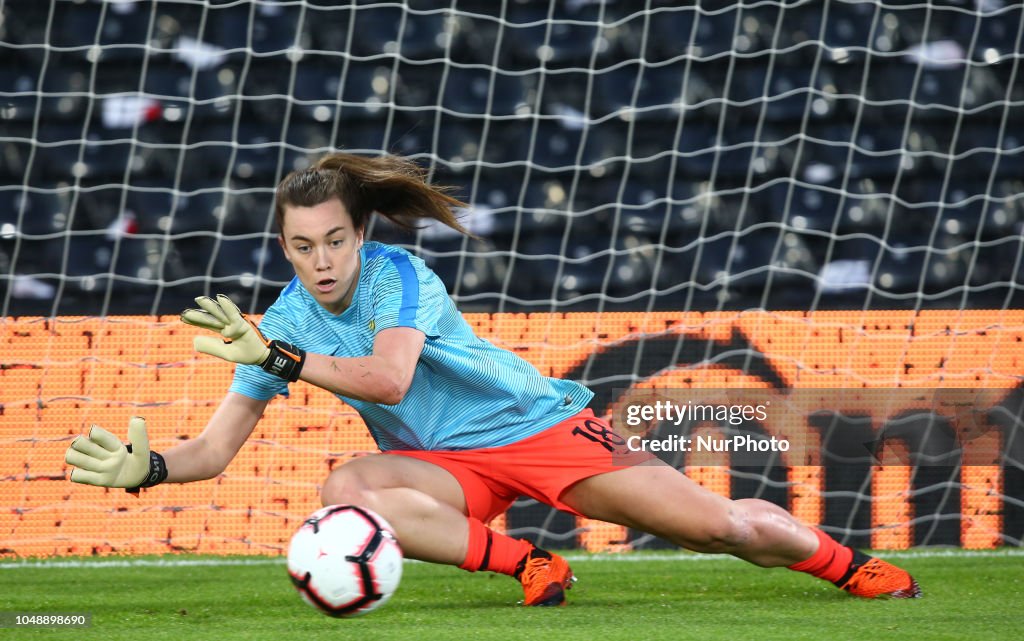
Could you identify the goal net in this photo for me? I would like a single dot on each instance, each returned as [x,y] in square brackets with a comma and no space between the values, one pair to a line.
[811,206]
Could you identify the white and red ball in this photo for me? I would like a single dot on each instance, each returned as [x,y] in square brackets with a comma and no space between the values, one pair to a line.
[345,560]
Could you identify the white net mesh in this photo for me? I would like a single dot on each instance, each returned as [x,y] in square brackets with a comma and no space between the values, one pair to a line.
[655,158]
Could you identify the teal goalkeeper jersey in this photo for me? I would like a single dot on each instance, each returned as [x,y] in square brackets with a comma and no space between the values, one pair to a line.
[466,393]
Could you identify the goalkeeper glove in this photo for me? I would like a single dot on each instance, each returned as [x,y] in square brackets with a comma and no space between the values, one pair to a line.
[102,459]
[242,341]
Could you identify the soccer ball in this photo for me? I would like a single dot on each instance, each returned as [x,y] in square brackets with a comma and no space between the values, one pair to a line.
[345,560]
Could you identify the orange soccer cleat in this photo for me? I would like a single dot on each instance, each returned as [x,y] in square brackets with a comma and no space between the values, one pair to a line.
[871,577]
[545,578]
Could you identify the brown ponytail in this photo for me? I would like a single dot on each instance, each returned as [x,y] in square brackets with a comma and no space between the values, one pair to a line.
[392,186]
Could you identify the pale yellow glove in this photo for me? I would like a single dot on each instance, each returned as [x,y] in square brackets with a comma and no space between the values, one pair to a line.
[102,459]
[241,341]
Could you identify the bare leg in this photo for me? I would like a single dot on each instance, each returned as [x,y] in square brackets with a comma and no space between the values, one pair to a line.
[660,500]
[430,521]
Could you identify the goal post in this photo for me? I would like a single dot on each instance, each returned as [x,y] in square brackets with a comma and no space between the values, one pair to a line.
[820,202]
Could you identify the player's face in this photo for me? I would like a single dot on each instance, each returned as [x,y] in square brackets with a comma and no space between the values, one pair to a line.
[323,247]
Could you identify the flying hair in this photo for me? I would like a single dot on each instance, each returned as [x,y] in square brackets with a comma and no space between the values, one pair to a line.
[393,187]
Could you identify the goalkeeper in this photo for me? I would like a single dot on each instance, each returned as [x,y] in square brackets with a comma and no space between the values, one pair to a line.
[463,426]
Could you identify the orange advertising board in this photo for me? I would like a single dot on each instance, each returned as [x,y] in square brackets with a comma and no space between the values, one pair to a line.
[58,376]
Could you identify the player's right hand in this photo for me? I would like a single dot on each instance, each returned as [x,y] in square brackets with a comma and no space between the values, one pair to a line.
[102,459]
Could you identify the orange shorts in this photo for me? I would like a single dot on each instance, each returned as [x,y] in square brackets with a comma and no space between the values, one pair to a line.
[542,466]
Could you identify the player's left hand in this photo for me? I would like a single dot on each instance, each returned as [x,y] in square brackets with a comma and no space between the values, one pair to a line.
[240,342]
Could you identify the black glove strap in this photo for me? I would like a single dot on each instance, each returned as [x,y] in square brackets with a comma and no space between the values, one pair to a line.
[157,472]
[285,360]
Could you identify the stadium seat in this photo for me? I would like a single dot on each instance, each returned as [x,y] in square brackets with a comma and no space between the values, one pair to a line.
[962,207]
[649,209]
[462,144]
[816,155]
[869,207]
[310,90]
[120,35]
[366,88]
[622,34]
[559,267]
[698,266]
[66,153]
[983,151]
[400,136]
[116,77]
[30,255]
[184,93]
[694,146]
[34,213]
[468,268]
[309,141]
[571,99]
[506,212]
[578,264]
[242,264]
[929,150]
[800,25]
[551,198]
[84,261]
[687,30]
[471,92]
[744,95]
[264,86]
[849,32]
[730,208]
[22,158]
[59,98]
[269,29]
[162,209]
[904,265]
[781,258]
[558,38]
[137,265]
[936,94]
[802,207]
[419,86]
[494,207]
[787,149]
[248,209]
[189,262]
[793,93]
[742,152]
[315,87]
[326,27]
[758,269]
[173,152]
[254,150]
[864,207]
[25,25]
[397,31]
[877,151]
[98,207]
[631,266]
[634,92]
[172,22]
[599,149]
[474,37]
[911,26]
[1007,207]
[997,33]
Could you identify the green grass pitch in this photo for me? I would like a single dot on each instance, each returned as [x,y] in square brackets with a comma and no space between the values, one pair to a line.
[667,596]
